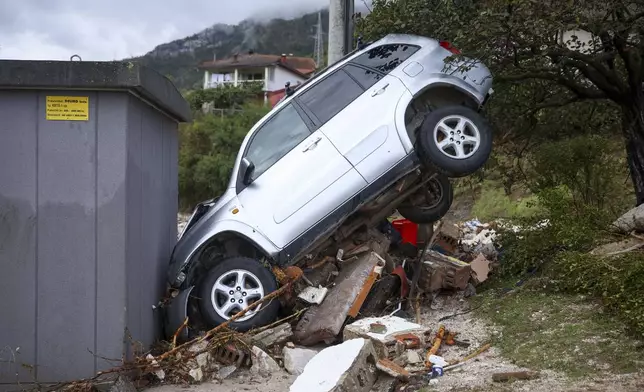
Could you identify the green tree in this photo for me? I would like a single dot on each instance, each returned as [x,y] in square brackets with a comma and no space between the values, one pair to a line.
[208,148]
[567,51]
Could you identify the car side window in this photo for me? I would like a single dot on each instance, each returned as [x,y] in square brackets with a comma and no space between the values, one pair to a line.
[386,58]
[331,95]
[276,138]
[366,77]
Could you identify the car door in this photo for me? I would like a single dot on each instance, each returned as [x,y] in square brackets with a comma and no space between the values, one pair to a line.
[365,131]
[299,177]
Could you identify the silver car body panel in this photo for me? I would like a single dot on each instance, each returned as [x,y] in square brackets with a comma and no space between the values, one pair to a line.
[355,154]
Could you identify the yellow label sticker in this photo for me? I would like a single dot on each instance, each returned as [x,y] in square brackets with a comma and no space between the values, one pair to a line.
[67,108]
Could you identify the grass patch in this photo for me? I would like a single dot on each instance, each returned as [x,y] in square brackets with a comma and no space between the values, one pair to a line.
[492,202]
[560,332]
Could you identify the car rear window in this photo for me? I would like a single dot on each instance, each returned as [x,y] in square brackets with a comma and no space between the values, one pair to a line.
[366,77]
[386,58]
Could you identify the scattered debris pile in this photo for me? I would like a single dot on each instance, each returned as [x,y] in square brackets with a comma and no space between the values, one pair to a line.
[352,323]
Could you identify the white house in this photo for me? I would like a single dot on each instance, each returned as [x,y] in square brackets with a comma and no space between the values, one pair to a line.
[273,71]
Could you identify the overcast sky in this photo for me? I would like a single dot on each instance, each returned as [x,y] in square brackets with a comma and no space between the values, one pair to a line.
[115,29]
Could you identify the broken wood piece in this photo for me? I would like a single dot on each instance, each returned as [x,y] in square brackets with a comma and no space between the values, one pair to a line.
[520,375]
[391,368]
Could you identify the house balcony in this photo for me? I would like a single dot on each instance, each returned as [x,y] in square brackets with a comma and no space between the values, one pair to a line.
[219,83]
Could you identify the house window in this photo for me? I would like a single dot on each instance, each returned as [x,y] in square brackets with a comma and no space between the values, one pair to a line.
[386,58]
[276,138]
[331,95]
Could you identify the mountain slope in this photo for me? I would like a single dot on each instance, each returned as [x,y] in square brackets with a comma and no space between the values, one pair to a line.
[178,59]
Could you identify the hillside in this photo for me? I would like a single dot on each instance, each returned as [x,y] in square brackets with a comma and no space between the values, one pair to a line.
[178,59]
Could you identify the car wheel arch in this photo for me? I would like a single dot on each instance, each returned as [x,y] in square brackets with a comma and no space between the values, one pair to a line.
[434,96]
[222,245]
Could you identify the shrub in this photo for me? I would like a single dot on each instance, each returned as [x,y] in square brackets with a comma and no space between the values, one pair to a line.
[618,281]
[208,148]
[224,97]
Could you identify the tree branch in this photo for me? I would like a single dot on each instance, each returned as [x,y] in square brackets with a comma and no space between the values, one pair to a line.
[581,91]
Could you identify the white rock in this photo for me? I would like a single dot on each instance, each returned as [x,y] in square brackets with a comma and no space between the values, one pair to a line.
[263,364]
[196,374]
[226,371]
[295,359]
[413,357]
[203,359]
[632,220]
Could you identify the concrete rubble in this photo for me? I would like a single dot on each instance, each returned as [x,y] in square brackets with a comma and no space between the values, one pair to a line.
[350,323]
[295,359]
[263,364]
[350,366]
[324,322]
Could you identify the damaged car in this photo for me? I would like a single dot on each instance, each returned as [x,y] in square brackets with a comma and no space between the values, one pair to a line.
[383,129]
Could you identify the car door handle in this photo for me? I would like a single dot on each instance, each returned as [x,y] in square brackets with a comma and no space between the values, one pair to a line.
[313,144]
[382,90]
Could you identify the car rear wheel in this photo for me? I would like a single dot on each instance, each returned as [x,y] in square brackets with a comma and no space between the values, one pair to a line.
[231,286]
[429,203]
[455,141]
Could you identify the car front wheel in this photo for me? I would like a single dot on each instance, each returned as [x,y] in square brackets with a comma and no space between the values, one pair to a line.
[430,202]
[231,286]
[455,141]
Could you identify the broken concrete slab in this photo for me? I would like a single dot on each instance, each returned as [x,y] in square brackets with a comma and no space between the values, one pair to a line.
[383,340]
[272,336]
[349,366]
[324,322]
[295,359]
[263,364]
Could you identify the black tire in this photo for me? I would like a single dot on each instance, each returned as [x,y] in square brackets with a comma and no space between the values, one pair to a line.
[435,159]
[414,209]
[267,311]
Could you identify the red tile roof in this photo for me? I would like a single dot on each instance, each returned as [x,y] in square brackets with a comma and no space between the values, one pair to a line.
[301,65]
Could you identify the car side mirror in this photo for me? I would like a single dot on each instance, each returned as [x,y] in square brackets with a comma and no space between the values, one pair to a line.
[247,169]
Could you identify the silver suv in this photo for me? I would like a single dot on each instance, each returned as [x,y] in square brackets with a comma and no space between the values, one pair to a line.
[381,130]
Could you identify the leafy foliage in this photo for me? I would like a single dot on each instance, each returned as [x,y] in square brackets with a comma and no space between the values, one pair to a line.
[225,96]
[590,167]
[545,56]
[208,148]
[618,281]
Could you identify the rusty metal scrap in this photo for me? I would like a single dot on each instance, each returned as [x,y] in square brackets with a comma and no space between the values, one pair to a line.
[438,339]
[410,340]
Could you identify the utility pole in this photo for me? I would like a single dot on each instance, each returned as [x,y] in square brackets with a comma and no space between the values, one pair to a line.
[340,28]
[319,43]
